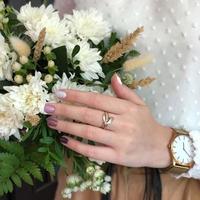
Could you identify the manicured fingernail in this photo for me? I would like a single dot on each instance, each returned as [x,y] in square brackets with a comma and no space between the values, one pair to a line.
[64,140]
[52,121]
[61,94]
[49,108]
[119,79]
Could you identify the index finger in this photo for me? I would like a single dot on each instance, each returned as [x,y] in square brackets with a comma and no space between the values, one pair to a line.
[94,100]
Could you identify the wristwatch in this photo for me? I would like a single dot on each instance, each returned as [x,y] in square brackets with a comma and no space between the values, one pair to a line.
[181,151]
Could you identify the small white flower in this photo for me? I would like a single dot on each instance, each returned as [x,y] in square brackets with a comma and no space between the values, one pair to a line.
[67,193]
[89,59]
[6,60]
[83,187]
[35,19]
[90,170]
[108,179]
[29,98]
[97,161]
[11,120]
[73,180]
[99,173]
[106,188]
[66,83]
[88,25]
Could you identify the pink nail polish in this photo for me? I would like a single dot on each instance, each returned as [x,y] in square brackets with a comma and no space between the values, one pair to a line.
[52,123]
[49,108]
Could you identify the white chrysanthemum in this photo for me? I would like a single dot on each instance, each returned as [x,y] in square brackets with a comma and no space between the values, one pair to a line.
[6,60]
[88,58]
[29,98]
[11,120]
[66,83]
[35,19]
[67,193]
[88,25]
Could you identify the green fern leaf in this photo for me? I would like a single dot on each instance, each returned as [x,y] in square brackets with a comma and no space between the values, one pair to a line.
[9,185]
[16,180]
[49,167]
[13,148]
[34,170]
[25,176]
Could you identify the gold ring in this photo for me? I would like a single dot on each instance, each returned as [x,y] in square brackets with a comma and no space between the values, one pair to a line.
[107,120]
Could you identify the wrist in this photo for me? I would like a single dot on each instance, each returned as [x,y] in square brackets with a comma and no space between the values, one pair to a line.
[162,158]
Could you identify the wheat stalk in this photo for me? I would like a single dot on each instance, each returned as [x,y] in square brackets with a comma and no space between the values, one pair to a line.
[137,62]
[39,45]
[141,83]
[117,50]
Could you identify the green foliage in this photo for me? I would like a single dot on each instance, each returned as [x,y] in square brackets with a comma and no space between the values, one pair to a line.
[24,161]
[61,59]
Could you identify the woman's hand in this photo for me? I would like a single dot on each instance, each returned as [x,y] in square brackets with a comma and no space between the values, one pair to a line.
[133,139]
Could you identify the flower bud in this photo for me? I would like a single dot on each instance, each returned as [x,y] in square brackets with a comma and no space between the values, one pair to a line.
[18,79]
[99,173]
[23,60]
[48,78]
[16,66]
[90,170]
[51,63]
[47,50]
[29,77]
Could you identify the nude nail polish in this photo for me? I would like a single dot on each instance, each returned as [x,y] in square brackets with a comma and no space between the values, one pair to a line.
[61,94]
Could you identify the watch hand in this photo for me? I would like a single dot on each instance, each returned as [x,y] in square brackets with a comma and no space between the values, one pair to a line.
[185,150]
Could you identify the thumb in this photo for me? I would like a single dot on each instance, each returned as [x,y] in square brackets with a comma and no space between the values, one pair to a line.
[123,92]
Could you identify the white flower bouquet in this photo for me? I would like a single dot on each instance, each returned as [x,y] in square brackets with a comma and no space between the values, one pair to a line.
[39,54]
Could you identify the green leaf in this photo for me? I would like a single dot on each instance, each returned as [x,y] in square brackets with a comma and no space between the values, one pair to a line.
[25,176]
[75,51]
[61,59]
[50,168]
[9,185]
[29,66]
[43,149]
[51,56]
[13,148]
[16,180]
[47,140]
[34,170]
[133,53]
[5,83]
[113,39]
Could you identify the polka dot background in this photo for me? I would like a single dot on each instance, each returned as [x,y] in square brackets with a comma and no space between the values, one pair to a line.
[172,36]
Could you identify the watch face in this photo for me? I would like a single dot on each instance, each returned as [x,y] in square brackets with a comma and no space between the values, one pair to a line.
[183,150]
